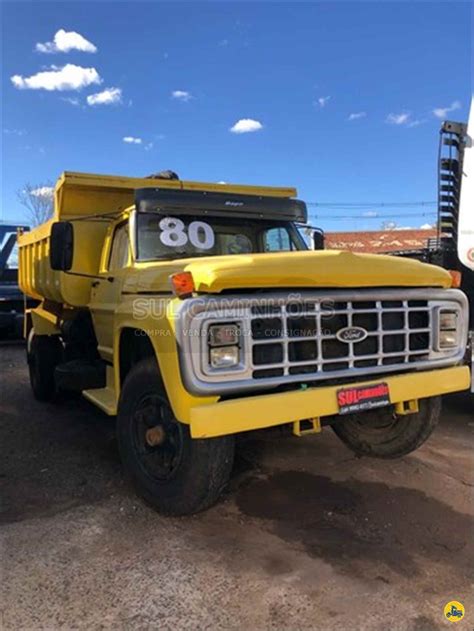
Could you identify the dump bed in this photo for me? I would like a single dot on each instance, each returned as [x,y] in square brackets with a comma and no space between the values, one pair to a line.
[91,201]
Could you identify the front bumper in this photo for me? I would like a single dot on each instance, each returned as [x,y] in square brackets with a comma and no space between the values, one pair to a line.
[268,410]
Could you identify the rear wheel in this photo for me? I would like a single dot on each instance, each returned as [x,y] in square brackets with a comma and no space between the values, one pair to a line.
[44,355]
[384,434]
[174,473]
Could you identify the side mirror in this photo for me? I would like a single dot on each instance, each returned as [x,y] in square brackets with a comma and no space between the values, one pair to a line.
[61,246]
[318,239]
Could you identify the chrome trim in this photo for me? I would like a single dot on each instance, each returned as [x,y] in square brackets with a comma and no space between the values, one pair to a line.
[196,314]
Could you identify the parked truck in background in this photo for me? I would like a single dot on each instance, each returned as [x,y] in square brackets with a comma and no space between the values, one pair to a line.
[11,298]
[195,311]
[453,248]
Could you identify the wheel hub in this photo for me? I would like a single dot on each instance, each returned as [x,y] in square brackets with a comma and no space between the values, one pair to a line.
[155,436]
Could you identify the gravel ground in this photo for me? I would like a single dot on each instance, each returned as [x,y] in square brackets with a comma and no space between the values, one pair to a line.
[307,536]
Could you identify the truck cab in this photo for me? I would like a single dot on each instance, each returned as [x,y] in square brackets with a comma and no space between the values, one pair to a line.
[11,298]
[193,312]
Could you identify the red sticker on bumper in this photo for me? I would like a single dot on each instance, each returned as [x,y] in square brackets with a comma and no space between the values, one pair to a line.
[363,398]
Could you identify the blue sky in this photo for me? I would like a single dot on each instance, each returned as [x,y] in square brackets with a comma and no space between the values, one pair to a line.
[344,99]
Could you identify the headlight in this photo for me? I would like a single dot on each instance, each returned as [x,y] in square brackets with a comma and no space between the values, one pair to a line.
[223,334]
[448,321]
[224,356]
[448,330]
[448,339]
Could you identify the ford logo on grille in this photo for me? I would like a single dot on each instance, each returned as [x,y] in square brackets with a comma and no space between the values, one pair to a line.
[351,334]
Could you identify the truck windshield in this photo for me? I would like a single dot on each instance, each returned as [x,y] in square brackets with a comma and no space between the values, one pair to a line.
[164,236]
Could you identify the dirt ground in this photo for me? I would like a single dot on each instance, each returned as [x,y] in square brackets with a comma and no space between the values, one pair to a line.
[307,536]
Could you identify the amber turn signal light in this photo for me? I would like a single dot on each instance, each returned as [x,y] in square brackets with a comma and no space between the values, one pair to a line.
[456,278]
[182,284]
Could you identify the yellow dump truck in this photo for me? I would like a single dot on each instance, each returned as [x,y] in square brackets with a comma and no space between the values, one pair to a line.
[194,312]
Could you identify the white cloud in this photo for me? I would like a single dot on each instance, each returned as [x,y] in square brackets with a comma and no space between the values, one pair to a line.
[109,96]
[415,123]
[323,101]
[148,146]
[442,112]
[72,100]
[370,213]
[404,119]
[399,119]
[69,77]
[392,225]
[14,132]
[245,126]
[64,42]
[43,191]
[356,115]
[132,140]
[181,95]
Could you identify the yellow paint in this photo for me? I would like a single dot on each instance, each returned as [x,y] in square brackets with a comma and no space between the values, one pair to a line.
[37,279]
[105,398]
[315,427]
[306,269]
[159,326]
[44,322]
[79,197]
[267,410]
[326,268]
[404,408]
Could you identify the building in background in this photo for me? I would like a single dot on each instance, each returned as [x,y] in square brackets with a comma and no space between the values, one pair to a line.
[381,241]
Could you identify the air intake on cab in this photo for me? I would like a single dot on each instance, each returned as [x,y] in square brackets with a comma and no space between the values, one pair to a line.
[163,175]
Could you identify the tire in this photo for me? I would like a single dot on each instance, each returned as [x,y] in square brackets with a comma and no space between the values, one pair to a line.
[172,472]
[44,355]
[383,434]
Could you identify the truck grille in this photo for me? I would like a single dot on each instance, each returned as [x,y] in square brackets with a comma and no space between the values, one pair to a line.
[301,339]
[309,338]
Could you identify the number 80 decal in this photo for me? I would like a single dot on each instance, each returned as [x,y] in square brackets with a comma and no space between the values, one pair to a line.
[173,233]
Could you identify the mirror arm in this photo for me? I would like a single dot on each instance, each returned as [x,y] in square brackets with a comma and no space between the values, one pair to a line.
[110,279]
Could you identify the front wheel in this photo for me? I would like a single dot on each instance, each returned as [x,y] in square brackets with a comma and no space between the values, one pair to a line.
[175,474]
[383,434]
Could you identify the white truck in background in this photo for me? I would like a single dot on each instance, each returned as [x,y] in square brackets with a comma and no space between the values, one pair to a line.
[453,247]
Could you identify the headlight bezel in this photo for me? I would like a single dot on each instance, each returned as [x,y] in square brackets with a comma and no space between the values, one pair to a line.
[447,323]
[236,370]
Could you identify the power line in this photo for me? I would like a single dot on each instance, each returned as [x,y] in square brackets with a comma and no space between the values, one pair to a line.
[426,214]
[371,204]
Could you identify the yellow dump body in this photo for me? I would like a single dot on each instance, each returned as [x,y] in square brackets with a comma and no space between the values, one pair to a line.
[85,198]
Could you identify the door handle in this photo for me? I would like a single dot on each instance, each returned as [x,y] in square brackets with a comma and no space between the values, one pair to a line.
[95,283]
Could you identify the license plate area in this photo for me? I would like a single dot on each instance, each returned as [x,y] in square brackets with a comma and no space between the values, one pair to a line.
[362,398]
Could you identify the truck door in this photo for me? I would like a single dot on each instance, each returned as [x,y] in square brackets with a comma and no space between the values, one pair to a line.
[106,292]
